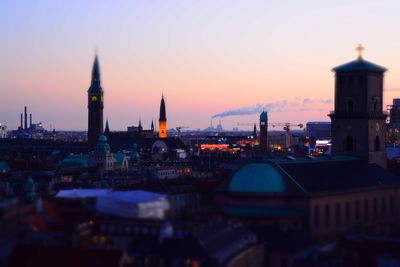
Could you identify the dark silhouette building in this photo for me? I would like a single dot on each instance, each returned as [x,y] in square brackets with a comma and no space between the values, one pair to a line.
[264,132]
[162,121]
[358,121]
[95,106]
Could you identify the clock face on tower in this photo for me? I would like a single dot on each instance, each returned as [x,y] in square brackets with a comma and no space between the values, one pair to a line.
[94,98]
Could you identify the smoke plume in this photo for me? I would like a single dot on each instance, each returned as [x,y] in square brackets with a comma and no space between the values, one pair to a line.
[296,105]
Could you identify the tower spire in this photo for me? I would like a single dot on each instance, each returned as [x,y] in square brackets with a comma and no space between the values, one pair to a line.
[95,85]
[140,124]
[163,116]
[107,129]
[95,106]
[162,121]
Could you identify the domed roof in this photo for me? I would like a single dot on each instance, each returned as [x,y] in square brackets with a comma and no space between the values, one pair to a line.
[102,138]
[360,65]
[264,116]
[257,177]
[102,146]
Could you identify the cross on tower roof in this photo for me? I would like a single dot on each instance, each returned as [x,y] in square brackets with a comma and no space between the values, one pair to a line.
[360,49]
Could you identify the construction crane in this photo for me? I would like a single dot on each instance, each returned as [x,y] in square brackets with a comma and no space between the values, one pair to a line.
[286,127]
[179,128]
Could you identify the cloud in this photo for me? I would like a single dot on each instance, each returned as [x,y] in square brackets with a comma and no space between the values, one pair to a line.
[296,105]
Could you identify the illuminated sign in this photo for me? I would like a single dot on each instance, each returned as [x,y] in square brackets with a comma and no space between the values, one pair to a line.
[215,146]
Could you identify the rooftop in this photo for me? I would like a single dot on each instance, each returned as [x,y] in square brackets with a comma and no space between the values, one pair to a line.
[360,65]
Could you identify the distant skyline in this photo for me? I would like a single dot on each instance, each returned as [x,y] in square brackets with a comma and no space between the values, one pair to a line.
[206,57]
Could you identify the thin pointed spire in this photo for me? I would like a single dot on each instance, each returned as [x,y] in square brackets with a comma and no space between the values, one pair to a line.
[107,129]
[140,124]
[95,86]
[163,116]
[255,131]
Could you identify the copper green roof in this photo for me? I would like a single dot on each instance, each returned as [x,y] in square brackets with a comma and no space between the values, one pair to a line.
[360,65]
[103,138]
[257,178]
[119,158]
[102,146]
[76,161]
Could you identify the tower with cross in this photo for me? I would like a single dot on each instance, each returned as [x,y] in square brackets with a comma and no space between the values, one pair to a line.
[358,121]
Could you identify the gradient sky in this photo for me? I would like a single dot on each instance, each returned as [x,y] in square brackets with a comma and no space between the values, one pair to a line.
[205,56]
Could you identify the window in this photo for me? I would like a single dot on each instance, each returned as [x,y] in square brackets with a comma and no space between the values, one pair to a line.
[349,143]
[377,143]
[327,214]
[337,213]
[351,81]
[383,205]
[366,209]
[341,80]
[347,212]
[350,106]
[391,204]
[361,80]
[357,210]
[375,207]
[316,216]
[375,105]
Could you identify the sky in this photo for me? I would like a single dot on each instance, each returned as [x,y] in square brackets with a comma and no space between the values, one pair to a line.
[206,57]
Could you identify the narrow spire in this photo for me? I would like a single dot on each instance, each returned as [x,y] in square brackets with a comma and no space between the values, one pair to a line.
[107,129]
[152,125]
[163,116]
[96,69]
[140,124]
[95,86]
[255,131]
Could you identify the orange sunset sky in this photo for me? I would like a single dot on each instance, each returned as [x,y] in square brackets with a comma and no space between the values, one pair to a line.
[206,57]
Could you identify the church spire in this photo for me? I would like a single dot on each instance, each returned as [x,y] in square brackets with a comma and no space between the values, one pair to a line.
[95,86]
[107,129]
[152,126]
[163,116]
[140,124]
[255,131]
[162,121]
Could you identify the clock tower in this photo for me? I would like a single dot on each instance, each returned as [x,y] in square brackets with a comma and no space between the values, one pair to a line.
[95,106]
[358,121]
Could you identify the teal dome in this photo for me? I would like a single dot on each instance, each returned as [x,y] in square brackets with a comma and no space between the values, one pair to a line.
[102,146]
[264,116]
[102,139]
[257,178]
